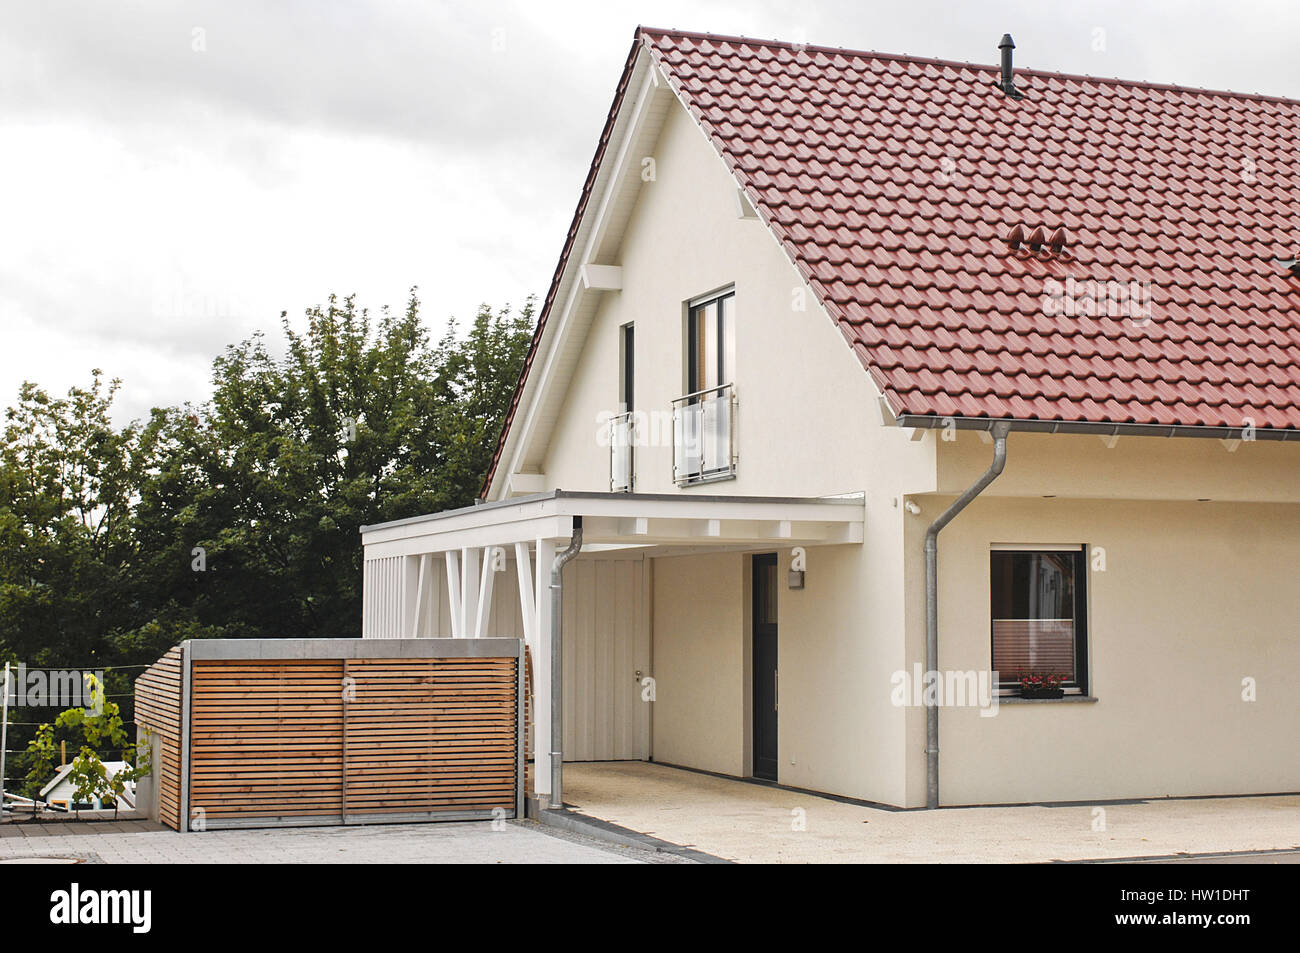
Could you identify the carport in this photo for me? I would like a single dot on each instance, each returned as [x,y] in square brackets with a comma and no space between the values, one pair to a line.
[436,576]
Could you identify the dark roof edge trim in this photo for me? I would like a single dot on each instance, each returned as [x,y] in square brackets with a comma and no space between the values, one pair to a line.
[932,422]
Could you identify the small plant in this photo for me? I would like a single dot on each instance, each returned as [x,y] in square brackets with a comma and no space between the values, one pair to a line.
[1038,685]
[89,778]
[41,754]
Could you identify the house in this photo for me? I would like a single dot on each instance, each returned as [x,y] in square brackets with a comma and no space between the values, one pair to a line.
[867,384]
[60,791]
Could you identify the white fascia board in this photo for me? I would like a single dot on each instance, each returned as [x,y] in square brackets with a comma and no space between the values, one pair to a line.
[435,539]
[517,439]
[620,517]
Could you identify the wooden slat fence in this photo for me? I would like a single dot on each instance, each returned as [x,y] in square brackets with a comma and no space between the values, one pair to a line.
[375,735]
[158,710]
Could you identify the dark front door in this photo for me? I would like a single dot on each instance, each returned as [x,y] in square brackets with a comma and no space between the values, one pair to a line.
[765,677]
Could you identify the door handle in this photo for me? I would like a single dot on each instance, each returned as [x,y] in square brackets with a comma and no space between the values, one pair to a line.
[776,690]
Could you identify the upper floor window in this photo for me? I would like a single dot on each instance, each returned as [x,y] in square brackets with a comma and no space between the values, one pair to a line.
[711,342]
[704,436]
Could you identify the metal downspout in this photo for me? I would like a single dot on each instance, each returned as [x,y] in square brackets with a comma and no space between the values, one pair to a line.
[557,694]
[1000,431]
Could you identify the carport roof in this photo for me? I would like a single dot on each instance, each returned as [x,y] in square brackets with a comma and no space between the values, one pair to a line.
[626,520]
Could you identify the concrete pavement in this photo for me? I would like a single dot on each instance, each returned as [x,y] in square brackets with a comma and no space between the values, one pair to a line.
[132,842]
[754,823]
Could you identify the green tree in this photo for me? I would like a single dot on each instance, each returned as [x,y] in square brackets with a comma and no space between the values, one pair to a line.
[67,482]
[240,516]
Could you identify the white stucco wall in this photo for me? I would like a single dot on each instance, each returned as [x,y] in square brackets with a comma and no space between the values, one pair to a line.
[1194,598]
[700,641]
[808,419]
[1198,590]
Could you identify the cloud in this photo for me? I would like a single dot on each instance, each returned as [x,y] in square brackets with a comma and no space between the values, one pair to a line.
[173,176]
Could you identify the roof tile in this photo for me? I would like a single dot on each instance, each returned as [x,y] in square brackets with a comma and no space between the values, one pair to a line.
[1151,183]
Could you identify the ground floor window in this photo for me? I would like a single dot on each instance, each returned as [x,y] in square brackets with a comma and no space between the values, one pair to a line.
[1039,617]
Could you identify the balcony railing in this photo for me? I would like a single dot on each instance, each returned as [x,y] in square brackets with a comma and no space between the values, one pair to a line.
[622,440]
[704,435]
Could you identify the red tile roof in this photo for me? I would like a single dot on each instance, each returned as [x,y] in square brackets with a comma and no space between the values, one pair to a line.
[893,183]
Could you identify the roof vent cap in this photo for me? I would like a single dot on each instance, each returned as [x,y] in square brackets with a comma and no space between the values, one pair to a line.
[1008,82]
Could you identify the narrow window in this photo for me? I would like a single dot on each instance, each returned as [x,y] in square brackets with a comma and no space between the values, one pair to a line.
[622,426]
[1039,617]
[628,368]
[711,335]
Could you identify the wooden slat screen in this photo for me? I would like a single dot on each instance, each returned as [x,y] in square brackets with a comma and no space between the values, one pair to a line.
[428,735]
[266,738]
[336,740]
[158,709]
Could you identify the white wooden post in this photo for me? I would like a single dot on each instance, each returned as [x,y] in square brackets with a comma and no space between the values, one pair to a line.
[542,669]
[488,574]
[527,607]
[420,595]
[453,591]
[469,564]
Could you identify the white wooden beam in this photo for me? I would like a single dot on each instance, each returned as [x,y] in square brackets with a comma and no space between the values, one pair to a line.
[420,595]
[469,563]
[602,277]
[488,575]
[527,607]
[453,591]
[524,484]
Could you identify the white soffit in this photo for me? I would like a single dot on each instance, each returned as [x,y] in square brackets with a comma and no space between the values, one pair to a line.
[634,137]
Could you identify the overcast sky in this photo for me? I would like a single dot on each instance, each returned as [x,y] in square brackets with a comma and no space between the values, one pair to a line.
[173,175]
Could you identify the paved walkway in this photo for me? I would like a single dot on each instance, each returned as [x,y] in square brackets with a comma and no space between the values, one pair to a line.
[749,823]
[135,842]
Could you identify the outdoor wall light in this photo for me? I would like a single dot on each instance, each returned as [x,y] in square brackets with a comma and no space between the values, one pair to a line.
[795,577]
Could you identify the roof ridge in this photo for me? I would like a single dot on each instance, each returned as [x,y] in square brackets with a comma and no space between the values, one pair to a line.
[643,31]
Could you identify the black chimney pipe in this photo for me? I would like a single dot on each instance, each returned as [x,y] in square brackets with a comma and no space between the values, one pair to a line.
[1008,83]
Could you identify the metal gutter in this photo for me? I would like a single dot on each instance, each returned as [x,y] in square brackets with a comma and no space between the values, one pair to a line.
[557,669]
[1000,430]
[1022,425]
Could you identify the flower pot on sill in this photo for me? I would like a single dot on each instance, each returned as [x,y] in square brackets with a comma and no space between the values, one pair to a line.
[1042,693]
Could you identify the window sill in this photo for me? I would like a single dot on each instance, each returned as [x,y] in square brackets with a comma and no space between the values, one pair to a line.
[1066,699]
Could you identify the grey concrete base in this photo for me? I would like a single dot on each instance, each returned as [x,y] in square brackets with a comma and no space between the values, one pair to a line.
[593,827]
[352,820]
